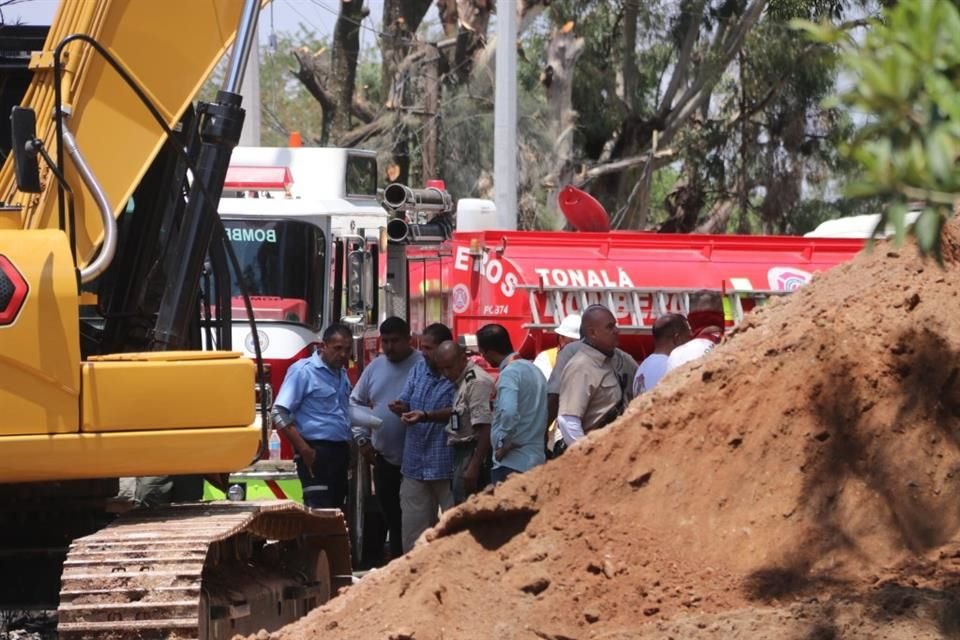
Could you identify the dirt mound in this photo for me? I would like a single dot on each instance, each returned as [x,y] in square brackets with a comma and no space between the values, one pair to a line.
[801,481]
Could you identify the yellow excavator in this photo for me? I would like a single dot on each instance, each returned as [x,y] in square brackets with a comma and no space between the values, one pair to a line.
[115,285]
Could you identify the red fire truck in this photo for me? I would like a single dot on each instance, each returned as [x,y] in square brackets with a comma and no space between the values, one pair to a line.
[529,280]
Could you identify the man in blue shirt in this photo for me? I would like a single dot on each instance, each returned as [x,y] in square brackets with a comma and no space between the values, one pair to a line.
[520,413]
[311,412]
[382,381]
[425,406]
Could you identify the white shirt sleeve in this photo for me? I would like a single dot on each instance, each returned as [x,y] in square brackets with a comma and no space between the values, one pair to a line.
[542,362]
[571,427]
[688,352]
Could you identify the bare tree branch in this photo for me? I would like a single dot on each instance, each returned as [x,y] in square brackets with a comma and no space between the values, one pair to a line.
[395,97]
[364,132]
[629,73]
[661,158]
[708,77]
[683,61]
[528,11]
[314,76]
[718,216]
[311,74]
[362,110]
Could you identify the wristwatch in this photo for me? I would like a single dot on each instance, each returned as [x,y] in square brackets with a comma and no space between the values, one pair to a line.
[362,441]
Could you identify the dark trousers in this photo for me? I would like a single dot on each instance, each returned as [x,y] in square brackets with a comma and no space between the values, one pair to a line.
[325,485]
[501,473]
[462,454]
[387,479]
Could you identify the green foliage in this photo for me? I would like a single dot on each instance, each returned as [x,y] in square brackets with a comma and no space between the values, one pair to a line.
[907,72]
[369,77]
[661,185]
[286,105]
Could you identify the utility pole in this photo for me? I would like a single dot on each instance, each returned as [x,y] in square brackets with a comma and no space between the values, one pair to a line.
[505,117]
[250,90]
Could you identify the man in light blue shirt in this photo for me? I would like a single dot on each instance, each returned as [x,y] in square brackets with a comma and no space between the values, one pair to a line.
[382,381]
[311,412]
[520,413]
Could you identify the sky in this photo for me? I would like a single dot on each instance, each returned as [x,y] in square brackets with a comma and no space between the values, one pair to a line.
[280,16]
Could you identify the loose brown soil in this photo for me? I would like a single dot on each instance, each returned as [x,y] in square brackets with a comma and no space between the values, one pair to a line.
[799,482]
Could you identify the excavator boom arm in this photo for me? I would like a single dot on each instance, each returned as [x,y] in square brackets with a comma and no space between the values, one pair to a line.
[170,48]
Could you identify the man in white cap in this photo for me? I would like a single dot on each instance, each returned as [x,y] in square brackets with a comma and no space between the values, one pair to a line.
[568,331]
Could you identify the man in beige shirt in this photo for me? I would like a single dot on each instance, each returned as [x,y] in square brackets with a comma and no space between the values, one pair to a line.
[590,393]
[469,427]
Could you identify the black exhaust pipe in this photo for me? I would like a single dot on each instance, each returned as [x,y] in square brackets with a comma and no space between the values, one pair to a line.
[399,197]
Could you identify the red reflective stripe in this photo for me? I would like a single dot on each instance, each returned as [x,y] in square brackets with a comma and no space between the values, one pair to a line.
[275,488]
[20,286]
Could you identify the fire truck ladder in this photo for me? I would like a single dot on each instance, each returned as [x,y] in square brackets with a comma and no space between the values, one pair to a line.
[549,301]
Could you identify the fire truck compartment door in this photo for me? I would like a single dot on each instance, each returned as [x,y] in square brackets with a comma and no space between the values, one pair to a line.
[167,390]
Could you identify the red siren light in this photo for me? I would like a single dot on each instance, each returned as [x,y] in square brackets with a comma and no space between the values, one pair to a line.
[241,178]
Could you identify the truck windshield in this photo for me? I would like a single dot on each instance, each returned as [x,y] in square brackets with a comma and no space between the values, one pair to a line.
[282,265]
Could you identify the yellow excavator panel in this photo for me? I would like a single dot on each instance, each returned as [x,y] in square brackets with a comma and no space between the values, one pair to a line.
[39,335]
[134,392]
[129,453]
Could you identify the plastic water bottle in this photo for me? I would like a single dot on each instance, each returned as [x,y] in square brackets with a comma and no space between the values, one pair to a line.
[274,445]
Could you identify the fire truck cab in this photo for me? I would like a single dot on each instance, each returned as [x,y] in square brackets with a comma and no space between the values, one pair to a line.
[306,226]
[307,229]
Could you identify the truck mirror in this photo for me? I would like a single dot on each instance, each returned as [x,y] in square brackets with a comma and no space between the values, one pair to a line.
[355,282]
[23,132]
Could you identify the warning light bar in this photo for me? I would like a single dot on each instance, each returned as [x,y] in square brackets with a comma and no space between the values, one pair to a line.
[258,179]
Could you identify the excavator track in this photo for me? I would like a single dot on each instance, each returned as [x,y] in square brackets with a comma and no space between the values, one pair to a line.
[205,571]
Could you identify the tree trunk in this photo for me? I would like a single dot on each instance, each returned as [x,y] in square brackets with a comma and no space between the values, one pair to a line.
[313,73]
[346,51]
[401,19]
[629,74]
[448,17]
[527,11]
[557,78]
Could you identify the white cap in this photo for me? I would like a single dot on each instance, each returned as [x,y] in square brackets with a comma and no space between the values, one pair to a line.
[569,327]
